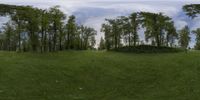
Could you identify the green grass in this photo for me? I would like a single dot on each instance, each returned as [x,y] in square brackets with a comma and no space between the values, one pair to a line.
[90,75]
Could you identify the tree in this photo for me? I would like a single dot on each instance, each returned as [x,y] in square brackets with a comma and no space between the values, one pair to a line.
[130,26]
[71,30]
[19,20]
[2,37]
[106,28]
[57,17]
[184,37]
[197,33]
[192,10]
[127,30]
[92,42]
[171,34]
[38,29]
[155,25]
[32,18]
[115,28]
[45,21]
[101,44]
[134,27]
[88,36]
[9,43]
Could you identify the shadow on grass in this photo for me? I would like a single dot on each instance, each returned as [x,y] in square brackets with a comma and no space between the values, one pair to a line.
[147,49]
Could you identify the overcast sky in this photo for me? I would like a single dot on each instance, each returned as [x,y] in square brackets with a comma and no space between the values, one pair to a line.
[93,12]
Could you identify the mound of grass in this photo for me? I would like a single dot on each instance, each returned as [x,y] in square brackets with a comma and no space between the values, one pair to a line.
[87,75]
[148,49]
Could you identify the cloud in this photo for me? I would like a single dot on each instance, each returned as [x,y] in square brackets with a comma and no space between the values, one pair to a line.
[180,24]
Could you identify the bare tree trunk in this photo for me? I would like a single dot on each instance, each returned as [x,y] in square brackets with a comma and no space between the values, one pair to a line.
[129,40]
[60,42]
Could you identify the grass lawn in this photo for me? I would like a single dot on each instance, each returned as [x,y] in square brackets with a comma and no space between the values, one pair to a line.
[90,75]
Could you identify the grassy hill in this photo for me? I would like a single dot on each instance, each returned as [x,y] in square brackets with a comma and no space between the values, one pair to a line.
[90,75]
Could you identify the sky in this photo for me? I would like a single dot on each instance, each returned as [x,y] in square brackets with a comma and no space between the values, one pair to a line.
[93,12]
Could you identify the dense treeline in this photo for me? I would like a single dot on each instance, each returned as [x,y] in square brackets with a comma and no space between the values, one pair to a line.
[193,11]
[159,30]
[33,29]
[49,30]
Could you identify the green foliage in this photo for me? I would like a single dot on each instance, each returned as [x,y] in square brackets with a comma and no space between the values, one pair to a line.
[159,28]
[148,49]
[71,30]
[8,40]
[197,33]
[192,10]
[102,44]
[184,37]
[106,28]
[45,30]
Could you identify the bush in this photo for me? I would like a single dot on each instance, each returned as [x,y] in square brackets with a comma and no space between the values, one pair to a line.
[147,49]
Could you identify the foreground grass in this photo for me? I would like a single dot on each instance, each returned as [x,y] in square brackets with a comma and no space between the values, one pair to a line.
[87,75]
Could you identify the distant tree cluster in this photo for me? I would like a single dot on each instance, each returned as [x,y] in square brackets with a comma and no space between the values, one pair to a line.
[159,30]
[39,30]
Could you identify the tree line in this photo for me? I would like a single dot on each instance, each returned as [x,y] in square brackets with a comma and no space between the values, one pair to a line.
[159,30]
[49,30]
[43,30]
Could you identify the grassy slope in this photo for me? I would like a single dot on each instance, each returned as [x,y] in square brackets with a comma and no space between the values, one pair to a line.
[99,76]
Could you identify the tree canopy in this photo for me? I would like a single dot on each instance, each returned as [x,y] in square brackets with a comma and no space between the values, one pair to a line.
[34,29]
[50,30]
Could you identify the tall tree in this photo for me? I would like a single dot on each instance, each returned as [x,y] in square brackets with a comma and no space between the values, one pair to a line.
[88,37]
[127,30]
[155,26]
[71,30]
[9,36]
[101,44]
[116,31]
[106,28]
[197,33]
[57,18]
[134,27]
[171,35]
[45,21]
[33,22]
[19,20]
[184,37]
[193,10]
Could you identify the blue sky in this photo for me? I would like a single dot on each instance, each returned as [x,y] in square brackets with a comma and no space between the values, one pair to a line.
[93,12]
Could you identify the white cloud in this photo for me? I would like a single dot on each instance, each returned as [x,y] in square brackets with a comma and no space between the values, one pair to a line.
[180,24]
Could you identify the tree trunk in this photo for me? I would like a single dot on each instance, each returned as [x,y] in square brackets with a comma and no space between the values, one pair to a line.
[129,40]
[19,37]
[42,39]
[115,42]
[68,40]
[60,43]
[50,47]
[54,37]
[44,42]
[158,40]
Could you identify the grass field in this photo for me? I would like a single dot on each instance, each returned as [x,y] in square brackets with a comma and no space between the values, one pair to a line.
[90,75]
